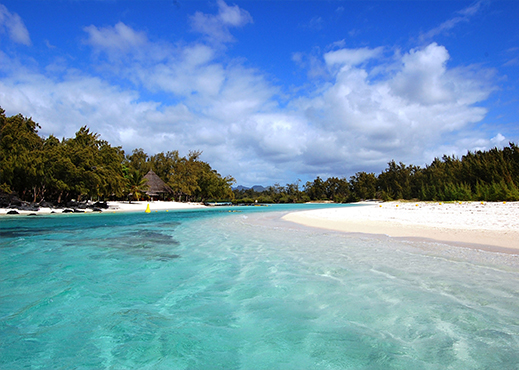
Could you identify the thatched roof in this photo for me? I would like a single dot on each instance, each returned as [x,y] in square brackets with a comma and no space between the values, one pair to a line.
[155,185]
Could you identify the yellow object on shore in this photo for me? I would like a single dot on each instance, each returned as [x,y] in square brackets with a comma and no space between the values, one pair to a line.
[147,208]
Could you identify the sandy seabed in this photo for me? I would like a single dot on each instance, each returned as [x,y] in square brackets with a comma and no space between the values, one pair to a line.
[485,225]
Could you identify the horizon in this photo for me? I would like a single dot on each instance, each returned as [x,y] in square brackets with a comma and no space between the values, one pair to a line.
[270,91]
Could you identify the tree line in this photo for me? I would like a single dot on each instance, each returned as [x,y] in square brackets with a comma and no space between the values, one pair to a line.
[491,175]
[85,167]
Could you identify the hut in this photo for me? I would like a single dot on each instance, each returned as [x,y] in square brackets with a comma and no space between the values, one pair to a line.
[156,187]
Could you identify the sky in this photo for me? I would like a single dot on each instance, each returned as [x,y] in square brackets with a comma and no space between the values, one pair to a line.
[270,91]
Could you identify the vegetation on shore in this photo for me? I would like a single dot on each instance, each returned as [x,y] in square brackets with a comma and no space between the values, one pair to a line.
[480,176]
[84,167]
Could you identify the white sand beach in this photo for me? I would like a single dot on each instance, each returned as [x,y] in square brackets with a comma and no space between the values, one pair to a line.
[154,206]
[475,224]
[120,207]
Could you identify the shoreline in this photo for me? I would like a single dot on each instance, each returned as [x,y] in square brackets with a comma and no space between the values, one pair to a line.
[479,225]
[113,207]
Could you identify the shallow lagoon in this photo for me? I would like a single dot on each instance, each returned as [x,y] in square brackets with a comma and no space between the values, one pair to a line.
[237,288]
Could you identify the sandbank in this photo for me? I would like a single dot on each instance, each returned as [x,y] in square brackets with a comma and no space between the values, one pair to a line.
[118,207]
[484,225]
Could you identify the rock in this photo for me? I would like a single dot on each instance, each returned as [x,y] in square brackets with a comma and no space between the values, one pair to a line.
[13,213]
[28,207]
[15,201]
[68,210]
[102,205]
[4,200]
[72,204]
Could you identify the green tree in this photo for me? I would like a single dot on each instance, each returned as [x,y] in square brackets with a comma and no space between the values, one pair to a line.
[21,166]
[138,161]
[136,185]
[363,186]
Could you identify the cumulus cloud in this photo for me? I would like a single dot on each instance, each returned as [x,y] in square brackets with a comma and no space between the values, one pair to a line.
[398,116]
[14,26]
[216,27]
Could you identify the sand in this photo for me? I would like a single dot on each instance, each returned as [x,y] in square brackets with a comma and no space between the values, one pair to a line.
[490,226]
[121,207]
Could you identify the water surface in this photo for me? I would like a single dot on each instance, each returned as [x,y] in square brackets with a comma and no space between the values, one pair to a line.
[237,288]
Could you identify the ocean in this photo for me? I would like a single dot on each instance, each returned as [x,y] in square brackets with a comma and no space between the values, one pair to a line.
[239,288]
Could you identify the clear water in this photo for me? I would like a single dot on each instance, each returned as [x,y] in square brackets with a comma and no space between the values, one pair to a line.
[244,290]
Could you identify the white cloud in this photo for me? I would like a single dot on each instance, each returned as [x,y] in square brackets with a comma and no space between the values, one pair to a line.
[233,15]
[13,24]
[498,140]
[116,40]
[351,57]
[216,27]
[400,116]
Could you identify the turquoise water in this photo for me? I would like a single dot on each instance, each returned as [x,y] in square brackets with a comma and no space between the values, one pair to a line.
[213,289]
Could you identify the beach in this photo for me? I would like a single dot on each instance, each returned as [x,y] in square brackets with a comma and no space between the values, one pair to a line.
[139,206]
[491,226]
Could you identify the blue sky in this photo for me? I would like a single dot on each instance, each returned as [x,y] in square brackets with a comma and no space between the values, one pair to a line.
[270,91]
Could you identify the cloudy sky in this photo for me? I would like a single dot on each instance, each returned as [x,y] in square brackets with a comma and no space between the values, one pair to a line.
[270,91]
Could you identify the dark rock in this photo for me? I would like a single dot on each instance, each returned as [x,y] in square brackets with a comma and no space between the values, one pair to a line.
[13,213]
[102,205]
[4,200]
[95,209]
[76,210]
[72,204]
[15,201]
[32,214]
[68,210]
[28,207]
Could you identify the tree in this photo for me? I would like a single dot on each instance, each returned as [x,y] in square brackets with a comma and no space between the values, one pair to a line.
[136,184]
[20,155]
[138,161]
[363,186]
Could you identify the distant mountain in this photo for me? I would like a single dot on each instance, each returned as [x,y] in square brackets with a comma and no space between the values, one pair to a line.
[256,188]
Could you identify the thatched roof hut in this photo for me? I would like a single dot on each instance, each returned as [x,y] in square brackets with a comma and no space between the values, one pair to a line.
[156,187]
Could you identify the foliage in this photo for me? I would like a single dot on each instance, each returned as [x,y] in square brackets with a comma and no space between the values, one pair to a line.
[136,184]
[85,167]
